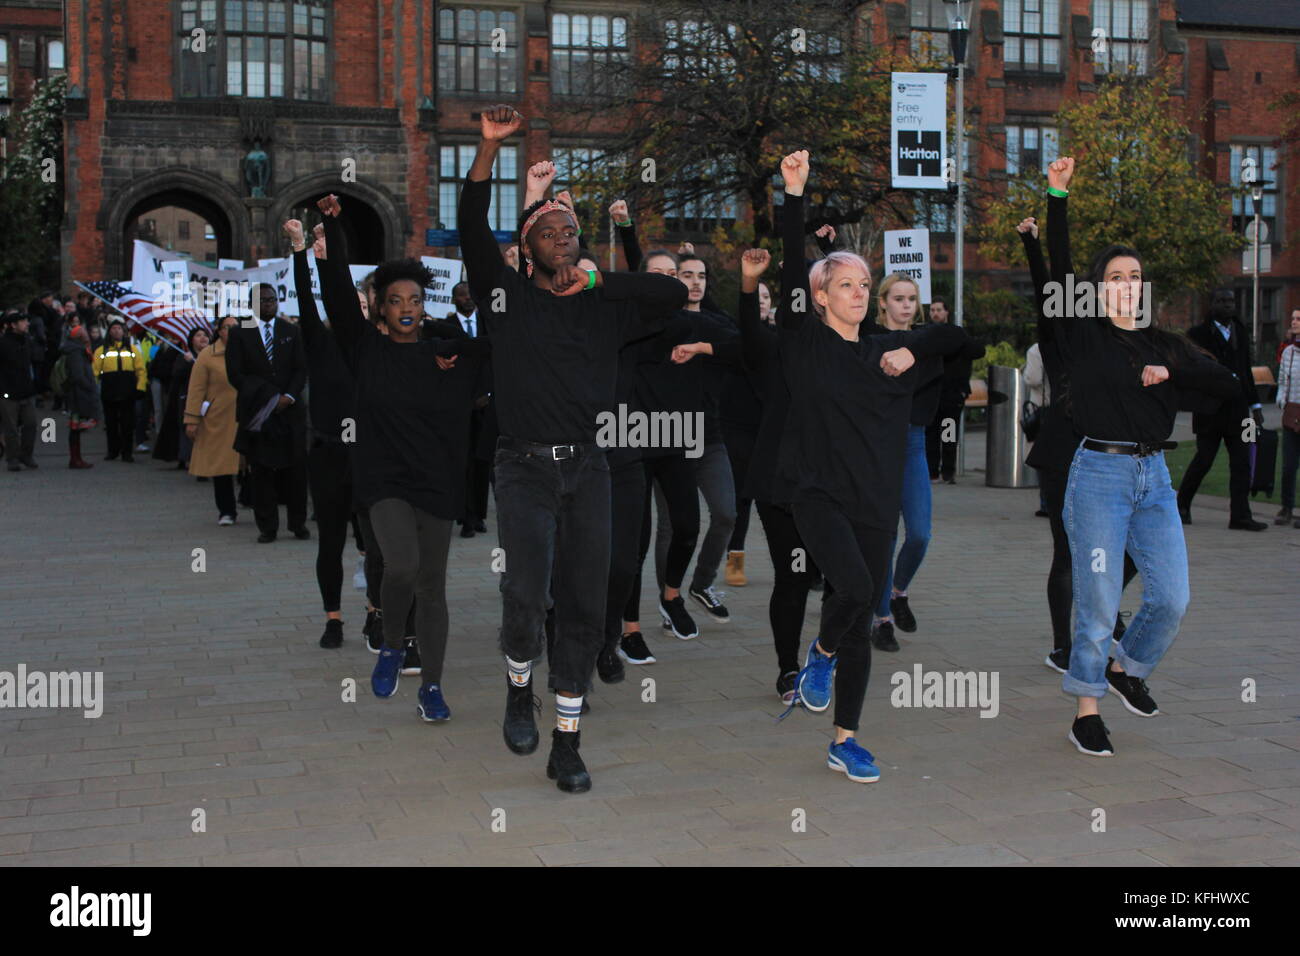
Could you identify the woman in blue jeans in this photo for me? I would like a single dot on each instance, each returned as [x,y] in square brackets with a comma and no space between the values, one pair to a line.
[898,301]
[1124,384]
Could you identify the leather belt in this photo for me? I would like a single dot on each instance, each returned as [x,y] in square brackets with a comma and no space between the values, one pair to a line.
[554,452]
[1137,449]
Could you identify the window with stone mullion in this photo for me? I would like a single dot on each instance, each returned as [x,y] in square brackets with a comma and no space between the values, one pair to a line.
[477,50]
[1032,35]
[254,48]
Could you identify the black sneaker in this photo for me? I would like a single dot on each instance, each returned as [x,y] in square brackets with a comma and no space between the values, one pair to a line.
[786,686]
[520,726]
[677,619]
[1058,661]
[374,631]
[411,659]
[333,636]
[1089,735]
[1133,692]
[712,606]
[633,650]
[882,637]
[565,766]
[609,666]
[903,615]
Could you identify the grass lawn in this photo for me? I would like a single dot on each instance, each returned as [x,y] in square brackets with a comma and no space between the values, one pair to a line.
[1216,482]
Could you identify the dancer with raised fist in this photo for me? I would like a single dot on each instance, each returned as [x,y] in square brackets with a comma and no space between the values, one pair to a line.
[1123,385]
[556,331]
[413,401]
[842,454]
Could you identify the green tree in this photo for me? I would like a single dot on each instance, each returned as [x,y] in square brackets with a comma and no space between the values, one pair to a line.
[31,200]
[1134,184]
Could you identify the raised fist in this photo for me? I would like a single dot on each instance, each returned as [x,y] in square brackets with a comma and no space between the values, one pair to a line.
[826,232]
[1060,172]
[754,262]
[498,122]
[293,229]
[318,241]
[618,211]
[686,249]
[540,175]
[512,257]
[329,206]
[565,198]
[1028,225]
[794,170]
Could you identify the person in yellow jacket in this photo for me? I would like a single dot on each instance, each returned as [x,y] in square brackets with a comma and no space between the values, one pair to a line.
[123,375]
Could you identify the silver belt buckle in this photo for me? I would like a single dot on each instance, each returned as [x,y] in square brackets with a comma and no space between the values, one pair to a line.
[556,449]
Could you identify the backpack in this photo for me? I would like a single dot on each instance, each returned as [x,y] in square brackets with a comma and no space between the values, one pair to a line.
[59,377]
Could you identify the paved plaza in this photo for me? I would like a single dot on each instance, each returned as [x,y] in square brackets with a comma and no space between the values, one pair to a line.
[217,698]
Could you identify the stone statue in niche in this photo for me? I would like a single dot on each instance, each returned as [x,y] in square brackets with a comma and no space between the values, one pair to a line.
[257,170]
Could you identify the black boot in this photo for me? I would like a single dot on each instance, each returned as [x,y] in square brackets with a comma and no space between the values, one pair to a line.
[520,726]
[565,766]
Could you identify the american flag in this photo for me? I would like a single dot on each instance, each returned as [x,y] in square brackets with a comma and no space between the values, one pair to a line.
[153,314]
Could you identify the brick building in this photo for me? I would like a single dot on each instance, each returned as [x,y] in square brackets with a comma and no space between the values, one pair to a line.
[376,101]
[31,48]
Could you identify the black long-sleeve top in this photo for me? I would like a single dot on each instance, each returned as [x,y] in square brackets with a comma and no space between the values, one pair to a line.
[412,432]
[762,356]
[1057,435]
[930,375]
[846,431]
[555,358]
[1102,363]
[330,395]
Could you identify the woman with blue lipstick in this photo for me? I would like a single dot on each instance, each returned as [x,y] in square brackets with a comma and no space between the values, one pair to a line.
[413,402]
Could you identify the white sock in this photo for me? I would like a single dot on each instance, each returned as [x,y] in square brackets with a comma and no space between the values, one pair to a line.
[567,712]
[520,674]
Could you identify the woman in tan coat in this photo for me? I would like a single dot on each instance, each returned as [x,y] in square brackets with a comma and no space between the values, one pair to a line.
[210,422]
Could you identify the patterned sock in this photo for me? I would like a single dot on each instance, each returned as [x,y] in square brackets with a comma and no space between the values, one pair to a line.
[567,712]
[520,674]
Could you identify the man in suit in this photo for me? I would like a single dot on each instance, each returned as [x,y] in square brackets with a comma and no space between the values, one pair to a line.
[464,322]
[1224,337]
[267,365]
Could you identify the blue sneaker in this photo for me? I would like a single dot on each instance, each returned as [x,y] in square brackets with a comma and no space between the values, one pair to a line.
[383,680]
[848,758]
[432,707]
[815,680]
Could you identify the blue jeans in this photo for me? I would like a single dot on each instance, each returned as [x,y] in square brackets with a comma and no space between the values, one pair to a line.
[1115,503]
[916,519]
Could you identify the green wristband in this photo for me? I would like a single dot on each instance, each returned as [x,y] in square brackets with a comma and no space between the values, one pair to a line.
[1059,193]
[591,280]
[624,224]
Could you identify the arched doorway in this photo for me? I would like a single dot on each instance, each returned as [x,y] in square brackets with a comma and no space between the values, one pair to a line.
[189,224]
[362,225]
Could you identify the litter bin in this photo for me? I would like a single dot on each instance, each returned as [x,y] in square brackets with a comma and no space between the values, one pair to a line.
[1004,462]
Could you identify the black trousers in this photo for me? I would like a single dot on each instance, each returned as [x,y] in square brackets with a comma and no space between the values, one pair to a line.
[1060,587]
[675,475]
[740,449]
[223,490]
[19,416]
[940,455]
[375,569]
[415,547]
[855,559]
[793,573]
[476,475]
[119,425]
[266,502]
[329,472]
[1207,449]
[553,523]
[627,497]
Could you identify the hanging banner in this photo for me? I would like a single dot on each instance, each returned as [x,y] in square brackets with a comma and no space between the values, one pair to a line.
[908,251]
[918,130]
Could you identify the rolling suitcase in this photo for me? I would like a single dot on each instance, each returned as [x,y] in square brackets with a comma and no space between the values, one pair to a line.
[1263,461]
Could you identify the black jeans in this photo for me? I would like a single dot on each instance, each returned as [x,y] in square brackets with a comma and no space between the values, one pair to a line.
[1060,586]
[675,476]
[223,490]
[1207,449]
[19,417]
[941,456]
[119,426]
[793,571]
[627,511]
[553,523]
[329,472]
[415,547]
[266,505]
[854,558]
[740,449]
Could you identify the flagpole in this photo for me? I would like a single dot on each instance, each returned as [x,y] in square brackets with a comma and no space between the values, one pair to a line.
[130,318]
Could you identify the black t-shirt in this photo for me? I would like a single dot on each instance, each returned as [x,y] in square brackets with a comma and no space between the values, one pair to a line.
[555,358]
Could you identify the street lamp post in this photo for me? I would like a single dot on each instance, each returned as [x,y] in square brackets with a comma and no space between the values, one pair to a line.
[958,33]
[1257,201]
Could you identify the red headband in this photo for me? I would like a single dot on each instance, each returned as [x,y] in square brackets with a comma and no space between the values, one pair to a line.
[551,205]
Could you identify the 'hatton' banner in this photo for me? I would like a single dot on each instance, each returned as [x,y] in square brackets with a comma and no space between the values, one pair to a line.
[908,251]
[918,130]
